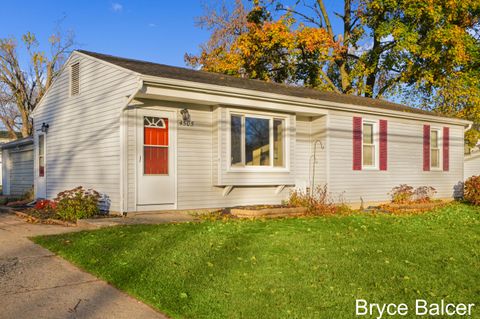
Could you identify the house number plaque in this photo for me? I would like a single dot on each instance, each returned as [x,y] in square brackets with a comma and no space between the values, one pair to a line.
[186,119]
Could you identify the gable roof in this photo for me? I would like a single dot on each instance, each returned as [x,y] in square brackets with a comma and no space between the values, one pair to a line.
[179,73]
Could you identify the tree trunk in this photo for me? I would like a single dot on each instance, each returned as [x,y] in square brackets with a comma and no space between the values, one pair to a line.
[372,64]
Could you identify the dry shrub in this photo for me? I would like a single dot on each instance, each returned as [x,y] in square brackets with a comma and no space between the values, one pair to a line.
[318,202]
[424,194]
[472,190]
[406,194]
[402,194]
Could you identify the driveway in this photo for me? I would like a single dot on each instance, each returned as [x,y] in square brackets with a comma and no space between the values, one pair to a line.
[34,283]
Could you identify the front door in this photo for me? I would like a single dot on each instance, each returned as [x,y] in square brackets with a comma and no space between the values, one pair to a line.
[156,154]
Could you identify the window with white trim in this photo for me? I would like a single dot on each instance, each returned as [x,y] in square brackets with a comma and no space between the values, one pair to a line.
[369,144]
[434,148]
[257,141]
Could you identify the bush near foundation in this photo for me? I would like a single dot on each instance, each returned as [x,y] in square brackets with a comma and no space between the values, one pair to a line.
[472,190]
[402,194]
[77,203]
[318,201]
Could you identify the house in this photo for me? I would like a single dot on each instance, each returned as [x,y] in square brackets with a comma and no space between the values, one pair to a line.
[17,166]
[472,162]
[155,137]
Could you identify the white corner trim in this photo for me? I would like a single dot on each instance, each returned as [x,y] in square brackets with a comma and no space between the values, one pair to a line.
[124,148]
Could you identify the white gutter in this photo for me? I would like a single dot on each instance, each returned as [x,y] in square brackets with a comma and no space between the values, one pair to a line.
[286,99]
[124,148]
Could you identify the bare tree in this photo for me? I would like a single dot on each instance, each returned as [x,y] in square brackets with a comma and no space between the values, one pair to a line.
[22,87]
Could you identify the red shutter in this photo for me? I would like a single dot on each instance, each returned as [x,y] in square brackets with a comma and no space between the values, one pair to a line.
[426,147]
[357,143]
[383,145]
[446,148]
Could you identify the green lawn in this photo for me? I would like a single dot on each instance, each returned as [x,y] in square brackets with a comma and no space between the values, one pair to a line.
[289,268]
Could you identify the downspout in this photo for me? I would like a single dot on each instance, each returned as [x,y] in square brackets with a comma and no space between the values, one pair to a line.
[124,148]
[467,128]
[312,189]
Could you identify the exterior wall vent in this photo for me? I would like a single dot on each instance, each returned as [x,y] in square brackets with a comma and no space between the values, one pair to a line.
[75,79]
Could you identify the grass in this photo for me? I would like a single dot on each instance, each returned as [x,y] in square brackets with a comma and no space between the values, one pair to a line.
[288,268]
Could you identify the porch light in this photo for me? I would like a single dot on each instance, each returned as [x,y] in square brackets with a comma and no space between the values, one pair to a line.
[44,128]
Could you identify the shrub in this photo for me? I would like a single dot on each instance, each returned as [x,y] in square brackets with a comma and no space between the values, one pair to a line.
[472,190]
[402,194]
[318,202]
[77,203]
[424,193]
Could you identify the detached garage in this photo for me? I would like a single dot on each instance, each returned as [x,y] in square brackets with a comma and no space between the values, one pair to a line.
[17,169]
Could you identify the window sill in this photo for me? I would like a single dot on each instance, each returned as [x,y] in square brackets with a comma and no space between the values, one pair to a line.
[369,168]
[258,170]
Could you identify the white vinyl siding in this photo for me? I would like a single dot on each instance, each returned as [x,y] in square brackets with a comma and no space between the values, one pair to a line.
[196,156]
[84,133]
[405,161]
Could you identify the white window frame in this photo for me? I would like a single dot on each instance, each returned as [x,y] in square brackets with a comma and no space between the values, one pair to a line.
[376,144]
[440,148]
[261,115]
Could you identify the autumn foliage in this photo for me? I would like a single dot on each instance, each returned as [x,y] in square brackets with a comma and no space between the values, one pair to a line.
[422,53]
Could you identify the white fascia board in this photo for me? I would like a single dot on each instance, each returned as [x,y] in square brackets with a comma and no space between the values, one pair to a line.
[201,90]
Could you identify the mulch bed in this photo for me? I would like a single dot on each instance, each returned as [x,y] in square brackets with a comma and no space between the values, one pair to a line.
[411,207]
[267,211]
[29,217]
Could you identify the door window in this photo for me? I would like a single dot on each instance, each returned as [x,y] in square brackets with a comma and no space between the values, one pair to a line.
[155,145]
[41,155]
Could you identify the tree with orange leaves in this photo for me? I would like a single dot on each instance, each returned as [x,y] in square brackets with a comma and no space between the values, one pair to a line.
[423,53]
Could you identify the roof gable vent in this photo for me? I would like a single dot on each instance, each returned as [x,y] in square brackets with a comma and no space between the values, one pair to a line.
[75,79]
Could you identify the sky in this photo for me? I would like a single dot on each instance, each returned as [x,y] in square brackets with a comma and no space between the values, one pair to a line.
[159,31]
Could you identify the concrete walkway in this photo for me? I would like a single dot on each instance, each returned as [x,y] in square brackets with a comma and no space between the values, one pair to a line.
[34,283]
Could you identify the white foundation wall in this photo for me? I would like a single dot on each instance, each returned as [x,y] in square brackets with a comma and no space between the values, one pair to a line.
[83,139]
[405,160]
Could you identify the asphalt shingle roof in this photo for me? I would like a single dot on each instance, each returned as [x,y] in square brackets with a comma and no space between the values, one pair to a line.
[172,72]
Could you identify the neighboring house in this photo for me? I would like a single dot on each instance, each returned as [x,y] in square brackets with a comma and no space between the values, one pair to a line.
[472,162]
[155,137]
[17,168]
